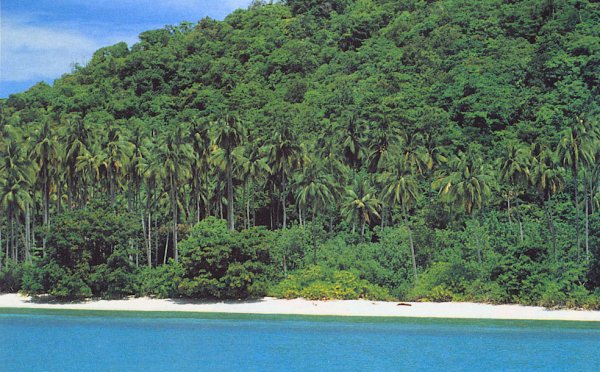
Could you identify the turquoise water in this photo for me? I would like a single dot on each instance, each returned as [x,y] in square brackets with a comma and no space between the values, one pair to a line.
[51,342]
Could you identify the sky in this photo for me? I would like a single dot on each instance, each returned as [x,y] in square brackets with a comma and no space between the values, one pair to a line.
[40,40]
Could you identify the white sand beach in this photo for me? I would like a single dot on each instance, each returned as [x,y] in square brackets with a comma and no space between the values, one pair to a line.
[267,305]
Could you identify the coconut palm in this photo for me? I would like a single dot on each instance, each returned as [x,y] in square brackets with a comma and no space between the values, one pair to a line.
[514,171]
[575,150]
[548,179]
[466,183]
[46,153]
[361,205]
[77,137]
[15,198]
[176,158]
[230,135]
[401,189]
[285,155]
[253,168]
[118,151]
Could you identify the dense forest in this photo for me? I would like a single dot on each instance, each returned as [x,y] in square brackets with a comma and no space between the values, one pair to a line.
[419,150]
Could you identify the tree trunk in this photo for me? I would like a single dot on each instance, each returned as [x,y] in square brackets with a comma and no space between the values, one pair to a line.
[576,181]
[587,227]
[552,232]
[520,221]
[508,209]
[174,207]
[412,246]
[362,229]
[46,209]
[166,247]
[314,232]
[230,213]
[283,196]
[27,233]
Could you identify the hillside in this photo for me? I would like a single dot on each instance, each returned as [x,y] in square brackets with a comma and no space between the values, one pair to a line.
[424,149]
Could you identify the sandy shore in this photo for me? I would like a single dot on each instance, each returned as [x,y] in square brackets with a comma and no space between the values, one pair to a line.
[306,307]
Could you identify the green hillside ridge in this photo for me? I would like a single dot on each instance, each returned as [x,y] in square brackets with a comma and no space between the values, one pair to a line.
[415,150]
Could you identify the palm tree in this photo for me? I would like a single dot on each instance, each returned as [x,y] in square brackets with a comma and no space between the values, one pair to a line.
[18,177]
[514,170]
[153,175]
[352,143]
[201,143]
[90,165]
[77,138]
[315,188]
[383,144]
[46,153]
[401,188]
[547,177]
[176,158]
[415,155]
[361,204]
[466,183]
[230,135]
[253,167]
[118,151]
[285,156]
[576,149]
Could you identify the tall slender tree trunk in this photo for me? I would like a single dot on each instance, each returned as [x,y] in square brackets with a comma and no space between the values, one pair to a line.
[230,212]
[577,218]
[508,209]
[27,232]
[520,221]
[552,232]
[46,212]
[283,197]
[166,247]
[174,208]
[587,225]
[412,245]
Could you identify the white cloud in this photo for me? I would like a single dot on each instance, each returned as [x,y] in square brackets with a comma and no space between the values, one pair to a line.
[30,52]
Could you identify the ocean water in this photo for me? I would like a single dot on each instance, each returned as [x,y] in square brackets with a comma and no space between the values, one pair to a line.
[81,341]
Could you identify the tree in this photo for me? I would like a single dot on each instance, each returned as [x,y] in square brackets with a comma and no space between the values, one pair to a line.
[230,135]
[514,170]
[176,158]
[315,188]
[401,188]
[361,204]
[46,153]
[466,183]
[576,149]
[285,156]
[547,177]
[15,197]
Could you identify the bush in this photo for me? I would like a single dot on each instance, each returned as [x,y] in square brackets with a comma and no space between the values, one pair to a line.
[218,263]
[317,283]
[11,277]
[162,281]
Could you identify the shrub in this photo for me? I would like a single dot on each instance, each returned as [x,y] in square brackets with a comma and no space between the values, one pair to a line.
[318,283]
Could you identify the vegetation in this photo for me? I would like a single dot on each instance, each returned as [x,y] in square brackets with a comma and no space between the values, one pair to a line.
[434,150]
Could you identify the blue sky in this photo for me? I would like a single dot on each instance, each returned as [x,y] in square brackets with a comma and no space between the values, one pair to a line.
[41,39]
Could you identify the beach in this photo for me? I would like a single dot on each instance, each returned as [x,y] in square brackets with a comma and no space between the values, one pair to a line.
[268,305]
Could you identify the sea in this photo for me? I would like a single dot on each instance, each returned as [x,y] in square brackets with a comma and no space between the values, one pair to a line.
[60,340]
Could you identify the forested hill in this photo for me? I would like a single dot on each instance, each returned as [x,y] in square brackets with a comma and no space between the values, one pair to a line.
[459,71]
[426,149]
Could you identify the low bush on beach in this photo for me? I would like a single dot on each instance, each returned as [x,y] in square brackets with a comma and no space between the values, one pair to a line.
[318,283]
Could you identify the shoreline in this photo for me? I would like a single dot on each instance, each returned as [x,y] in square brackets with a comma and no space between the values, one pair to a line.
[274,306]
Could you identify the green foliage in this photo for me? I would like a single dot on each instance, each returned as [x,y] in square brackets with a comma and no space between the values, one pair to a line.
[161,282]
[318,283]
[219,263]
[436,149]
